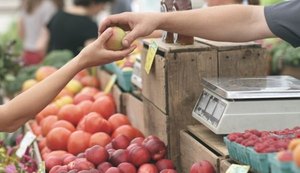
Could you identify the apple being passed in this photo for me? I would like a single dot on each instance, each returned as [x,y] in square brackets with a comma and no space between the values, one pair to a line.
[115,41]
[202,166]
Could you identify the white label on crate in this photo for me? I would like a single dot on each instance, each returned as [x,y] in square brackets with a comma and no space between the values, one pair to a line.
[234,168]
[25,143]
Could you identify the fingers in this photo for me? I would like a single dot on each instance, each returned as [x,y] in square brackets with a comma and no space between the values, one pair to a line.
[131,36]
[120,20]
[105,36]
[123,53]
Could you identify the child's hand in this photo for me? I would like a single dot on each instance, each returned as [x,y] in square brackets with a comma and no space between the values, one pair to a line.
[96,53]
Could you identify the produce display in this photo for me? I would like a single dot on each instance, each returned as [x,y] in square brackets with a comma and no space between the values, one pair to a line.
[263,150]
[80,131]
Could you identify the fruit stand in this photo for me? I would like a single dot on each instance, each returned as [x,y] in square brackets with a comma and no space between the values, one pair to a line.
[158,111]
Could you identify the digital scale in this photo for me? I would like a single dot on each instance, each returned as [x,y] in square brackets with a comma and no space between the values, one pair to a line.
[230,105]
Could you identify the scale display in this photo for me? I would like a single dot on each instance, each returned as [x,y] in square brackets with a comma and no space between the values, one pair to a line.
[229,105]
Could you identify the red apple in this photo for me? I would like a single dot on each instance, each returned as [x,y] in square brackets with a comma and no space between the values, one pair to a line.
[113,170]
[127,167]
[139,155]
[202,166]
[156,147]
[119,156]
[96,154]
[103,167]
[147,168]
[120,142]
[164,164]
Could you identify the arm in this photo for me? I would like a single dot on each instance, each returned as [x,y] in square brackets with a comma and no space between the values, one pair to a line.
[26,105]
[221,23]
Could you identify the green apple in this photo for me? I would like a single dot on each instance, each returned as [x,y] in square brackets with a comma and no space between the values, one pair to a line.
[115,41]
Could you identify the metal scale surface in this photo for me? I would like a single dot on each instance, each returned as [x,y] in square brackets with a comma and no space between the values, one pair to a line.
[234,105]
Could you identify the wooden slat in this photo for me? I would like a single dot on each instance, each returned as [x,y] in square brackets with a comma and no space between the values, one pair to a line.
[117,95]
[250,62]
[185,71]
[221,46]
[156,122]
[154,83]
[224,165]
[103,77]
[214,141]
[172,48]
[134,109]
[192,151]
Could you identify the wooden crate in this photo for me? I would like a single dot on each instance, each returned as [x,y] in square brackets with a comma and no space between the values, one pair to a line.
[133,108]
[199,143]
[174,83]
[156,122]
[224,165]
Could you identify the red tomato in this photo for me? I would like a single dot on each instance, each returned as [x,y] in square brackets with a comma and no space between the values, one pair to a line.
[85,106]
[47,123]
[99,138]
[70,113]
[128,131]
[51,109]
[105,106]
[78,142]
[93,122]
[117,120]
[65,124]
[57,138]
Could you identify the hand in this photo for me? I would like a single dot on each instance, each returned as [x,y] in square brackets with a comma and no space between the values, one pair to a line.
[96,54]
[138,24]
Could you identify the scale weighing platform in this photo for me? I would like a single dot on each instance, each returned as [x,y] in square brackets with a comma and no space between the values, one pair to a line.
[230,105]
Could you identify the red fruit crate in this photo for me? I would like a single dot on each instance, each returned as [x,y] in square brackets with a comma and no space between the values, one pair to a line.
[278,166]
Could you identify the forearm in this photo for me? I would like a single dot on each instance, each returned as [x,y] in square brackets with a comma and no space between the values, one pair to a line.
[222,23]
[26,105]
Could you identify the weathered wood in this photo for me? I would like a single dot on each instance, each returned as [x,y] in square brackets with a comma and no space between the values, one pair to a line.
[247,62]
[221,46]
[134,109]
[224,165]
[214,141]
[185,71]
[292,71]
[193,151]
[156,122]
[154,83]
[173,48]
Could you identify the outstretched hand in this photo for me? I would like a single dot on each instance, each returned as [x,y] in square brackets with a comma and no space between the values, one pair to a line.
[138,25]
[96,52]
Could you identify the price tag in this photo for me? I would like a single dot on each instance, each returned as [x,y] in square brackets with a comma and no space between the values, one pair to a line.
[150,56]
[234,168]
[110,83]
[25,143]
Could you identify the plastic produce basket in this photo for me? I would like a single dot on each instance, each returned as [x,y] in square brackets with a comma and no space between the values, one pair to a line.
[295,168]
[259,161]
[111,67]
[237,151]
[278,166]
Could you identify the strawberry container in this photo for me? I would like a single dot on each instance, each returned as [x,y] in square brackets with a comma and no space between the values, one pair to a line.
[111,67]
[278,166]
[295,168]
[237,151]
[259,161]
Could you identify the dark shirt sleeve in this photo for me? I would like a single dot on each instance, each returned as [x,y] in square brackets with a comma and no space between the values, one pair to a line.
[91,31]
[284,21]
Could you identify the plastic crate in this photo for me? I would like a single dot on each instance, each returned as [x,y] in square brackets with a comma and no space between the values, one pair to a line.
[278,166]
[124,79]
[259,161]
[295,168]
[111,67]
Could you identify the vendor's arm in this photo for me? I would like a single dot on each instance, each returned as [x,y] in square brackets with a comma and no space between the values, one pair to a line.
[226,23]
[26,105]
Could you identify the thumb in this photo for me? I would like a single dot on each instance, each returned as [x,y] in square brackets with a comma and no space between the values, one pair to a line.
[105,36]
[130,37]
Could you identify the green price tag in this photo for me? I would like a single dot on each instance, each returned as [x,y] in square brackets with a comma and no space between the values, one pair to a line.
[234,168]
[150,56]
[110,83]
